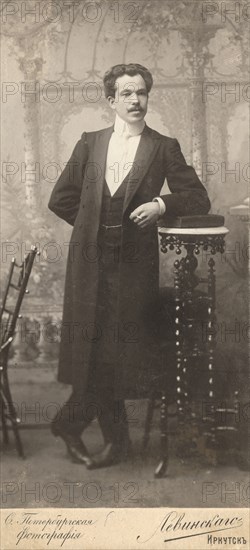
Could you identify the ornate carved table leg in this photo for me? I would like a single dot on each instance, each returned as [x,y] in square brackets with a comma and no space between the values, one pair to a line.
[190,355]
[178,339]
[211,431]
[162,466]
[190,347]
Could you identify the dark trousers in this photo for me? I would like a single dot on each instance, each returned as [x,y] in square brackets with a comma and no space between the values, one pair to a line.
[99,400]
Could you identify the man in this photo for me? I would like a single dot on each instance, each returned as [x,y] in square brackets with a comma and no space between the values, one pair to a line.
[109,191]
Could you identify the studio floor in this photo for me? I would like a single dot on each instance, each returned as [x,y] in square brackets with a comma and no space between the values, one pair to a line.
[47,477]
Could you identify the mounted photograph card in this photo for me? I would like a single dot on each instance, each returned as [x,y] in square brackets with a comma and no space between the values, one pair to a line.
[124,374]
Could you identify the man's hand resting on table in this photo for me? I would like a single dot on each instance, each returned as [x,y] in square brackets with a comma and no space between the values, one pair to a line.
[146,214]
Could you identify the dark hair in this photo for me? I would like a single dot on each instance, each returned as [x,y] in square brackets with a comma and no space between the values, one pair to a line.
[131,69]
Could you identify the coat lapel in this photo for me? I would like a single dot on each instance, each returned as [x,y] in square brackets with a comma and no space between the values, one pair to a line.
[145,153]
[99,160]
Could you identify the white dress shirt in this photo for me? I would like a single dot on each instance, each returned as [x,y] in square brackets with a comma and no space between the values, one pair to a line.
[122,149]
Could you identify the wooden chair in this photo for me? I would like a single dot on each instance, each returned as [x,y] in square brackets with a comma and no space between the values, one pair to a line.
[12,300]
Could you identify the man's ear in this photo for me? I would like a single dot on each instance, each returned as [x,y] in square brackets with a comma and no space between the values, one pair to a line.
[111,101]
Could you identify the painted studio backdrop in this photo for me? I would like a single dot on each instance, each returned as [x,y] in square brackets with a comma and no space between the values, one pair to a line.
[53,60]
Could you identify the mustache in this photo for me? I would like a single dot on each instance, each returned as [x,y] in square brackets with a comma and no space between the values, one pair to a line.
[135,109]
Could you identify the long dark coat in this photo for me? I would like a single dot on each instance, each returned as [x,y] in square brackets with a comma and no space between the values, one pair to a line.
[77,198]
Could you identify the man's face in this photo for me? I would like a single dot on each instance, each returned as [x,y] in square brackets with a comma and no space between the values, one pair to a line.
[131,98]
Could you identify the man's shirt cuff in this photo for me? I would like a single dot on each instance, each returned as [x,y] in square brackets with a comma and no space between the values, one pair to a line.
[161,204]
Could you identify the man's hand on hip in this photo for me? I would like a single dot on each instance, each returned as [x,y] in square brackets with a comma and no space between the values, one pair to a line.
[146,214]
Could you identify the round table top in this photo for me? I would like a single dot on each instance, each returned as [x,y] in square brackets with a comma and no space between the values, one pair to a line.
[194,230]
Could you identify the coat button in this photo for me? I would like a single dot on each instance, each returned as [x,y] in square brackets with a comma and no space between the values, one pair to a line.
[80,225]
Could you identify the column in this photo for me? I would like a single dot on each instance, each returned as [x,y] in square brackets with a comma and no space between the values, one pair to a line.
[31,67]
[197,38]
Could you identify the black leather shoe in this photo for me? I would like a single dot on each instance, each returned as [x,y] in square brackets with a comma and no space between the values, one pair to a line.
[111,454]
[75,446]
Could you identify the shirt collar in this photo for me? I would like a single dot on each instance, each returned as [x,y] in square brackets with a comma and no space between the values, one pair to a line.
[122,128]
